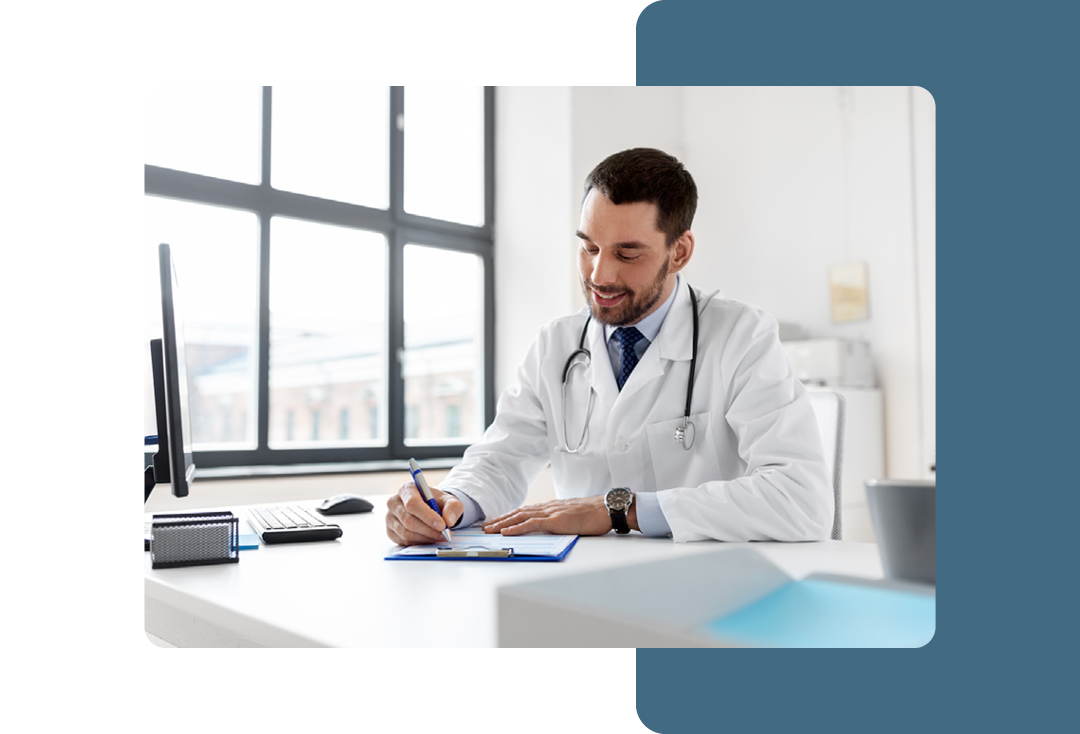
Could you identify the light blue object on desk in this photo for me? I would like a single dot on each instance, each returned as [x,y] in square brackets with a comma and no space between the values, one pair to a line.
[827,613]
[249,538]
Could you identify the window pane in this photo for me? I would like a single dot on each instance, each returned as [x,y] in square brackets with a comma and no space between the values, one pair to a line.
[214,131]
[332,142]
[444,153]
[443,361]
[327,335]
[215,251]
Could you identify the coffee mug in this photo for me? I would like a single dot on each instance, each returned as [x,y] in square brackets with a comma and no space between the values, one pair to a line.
[902,512]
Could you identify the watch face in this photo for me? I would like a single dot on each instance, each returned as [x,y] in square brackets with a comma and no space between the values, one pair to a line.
[618,499]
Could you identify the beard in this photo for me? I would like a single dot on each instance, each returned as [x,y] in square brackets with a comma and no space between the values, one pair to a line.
[633,307]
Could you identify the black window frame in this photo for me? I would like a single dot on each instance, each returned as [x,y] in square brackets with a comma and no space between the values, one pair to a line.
[400,228]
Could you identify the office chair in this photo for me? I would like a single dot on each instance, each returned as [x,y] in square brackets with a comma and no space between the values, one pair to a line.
[829,409]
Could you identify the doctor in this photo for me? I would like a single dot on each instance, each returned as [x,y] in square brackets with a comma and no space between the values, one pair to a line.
[652,420]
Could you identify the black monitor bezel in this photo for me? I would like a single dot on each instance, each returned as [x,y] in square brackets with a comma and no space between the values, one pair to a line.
[181,457]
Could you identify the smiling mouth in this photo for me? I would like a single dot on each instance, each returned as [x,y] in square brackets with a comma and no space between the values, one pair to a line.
[607,300]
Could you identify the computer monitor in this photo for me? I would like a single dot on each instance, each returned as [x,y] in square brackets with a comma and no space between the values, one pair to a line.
[174,462]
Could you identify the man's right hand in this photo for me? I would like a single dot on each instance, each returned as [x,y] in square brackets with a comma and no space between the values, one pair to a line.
[409,520]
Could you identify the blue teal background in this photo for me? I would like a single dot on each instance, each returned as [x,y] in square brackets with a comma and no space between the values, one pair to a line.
[1004,77]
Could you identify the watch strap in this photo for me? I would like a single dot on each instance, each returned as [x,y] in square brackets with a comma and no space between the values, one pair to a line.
[618,521]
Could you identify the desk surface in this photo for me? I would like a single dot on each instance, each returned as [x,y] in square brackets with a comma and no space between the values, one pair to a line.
[343,594]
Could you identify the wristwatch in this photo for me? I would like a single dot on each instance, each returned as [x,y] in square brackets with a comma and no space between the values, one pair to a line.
[618,501]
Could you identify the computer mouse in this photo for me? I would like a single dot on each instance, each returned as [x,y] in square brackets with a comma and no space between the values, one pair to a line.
[345,504]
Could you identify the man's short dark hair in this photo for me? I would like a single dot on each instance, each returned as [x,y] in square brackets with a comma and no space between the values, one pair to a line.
[653,176]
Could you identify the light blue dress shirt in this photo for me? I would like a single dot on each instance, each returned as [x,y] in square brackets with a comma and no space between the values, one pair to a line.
[650,517]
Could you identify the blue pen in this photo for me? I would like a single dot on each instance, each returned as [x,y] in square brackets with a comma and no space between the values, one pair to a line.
[425,492]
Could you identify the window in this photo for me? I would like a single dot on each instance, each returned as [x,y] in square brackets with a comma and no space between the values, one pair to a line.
[343,425]
[328,322]
[443,343]
[444,171]
[333,248]
[453,421]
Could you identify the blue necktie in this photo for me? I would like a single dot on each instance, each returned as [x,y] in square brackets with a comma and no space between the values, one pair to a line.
[628,336]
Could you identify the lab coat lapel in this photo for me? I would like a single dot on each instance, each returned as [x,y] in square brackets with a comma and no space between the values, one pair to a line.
[673,342]
[601,375]
[676,338]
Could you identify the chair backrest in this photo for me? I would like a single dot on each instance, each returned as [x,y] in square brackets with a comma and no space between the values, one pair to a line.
[829,409]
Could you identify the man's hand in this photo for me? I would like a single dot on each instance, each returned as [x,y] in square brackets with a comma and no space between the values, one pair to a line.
[409,520]
[580,516]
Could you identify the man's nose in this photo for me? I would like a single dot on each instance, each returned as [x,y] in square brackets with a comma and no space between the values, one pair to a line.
[605,269]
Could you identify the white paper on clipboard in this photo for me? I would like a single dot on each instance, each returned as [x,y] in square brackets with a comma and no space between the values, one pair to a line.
[537,546]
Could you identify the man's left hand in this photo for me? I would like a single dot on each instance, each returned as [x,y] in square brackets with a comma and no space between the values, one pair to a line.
[579,516]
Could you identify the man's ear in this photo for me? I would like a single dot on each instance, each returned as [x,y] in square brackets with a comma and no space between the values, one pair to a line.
[683,249]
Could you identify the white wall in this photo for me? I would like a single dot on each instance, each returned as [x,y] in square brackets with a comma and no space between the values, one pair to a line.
[532,244]
[792,182]
[770,209]
[924,161]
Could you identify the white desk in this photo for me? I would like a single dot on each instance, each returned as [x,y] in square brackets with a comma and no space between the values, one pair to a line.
[343,594]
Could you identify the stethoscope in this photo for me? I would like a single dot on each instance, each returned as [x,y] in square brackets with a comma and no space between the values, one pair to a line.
[582,357]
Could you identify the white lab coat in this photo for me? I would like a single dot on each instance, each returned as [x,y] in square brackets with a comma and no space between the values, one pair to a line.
[756,470]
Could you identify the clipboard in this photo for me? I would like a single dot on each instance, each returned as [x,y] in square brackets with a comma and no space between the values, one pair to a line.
[476,545]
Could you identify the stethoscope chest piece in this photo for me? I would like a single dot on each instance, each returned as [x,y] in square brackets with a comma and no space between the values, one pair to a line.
[684,434]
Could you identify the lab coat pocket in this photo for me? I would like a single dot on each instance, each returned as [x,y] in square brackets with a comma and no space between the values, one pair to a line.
[673,464]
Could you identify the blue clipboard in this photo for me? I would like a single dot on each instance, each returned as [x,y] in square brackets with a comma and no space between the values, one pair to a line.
[476,545]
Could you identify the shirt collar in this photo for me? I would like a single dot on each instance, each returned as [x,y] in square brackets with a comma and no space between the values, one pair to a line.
[650,325]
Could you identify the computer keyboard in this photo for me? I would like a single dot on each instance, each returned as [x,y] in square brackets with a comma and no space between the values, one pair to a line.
[290,524]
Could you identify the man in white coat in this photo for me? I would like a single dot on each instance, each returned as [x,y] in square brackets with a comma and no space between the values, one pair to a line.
[746,464]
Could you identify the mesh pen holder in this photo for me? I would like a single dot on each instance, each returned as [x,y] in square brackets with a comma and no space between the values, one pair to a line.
[194,539]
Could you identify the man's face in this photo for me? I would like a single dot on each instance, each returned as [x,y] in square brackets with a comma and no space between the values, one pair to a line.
[627,270]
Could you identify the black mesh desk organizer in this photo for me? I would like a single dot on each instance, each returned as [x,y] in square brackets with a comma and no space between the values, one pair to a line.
[194,539]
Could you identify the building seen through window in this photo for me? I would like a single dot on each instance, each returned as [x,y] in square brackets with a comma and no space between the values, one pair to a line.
[441,394]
